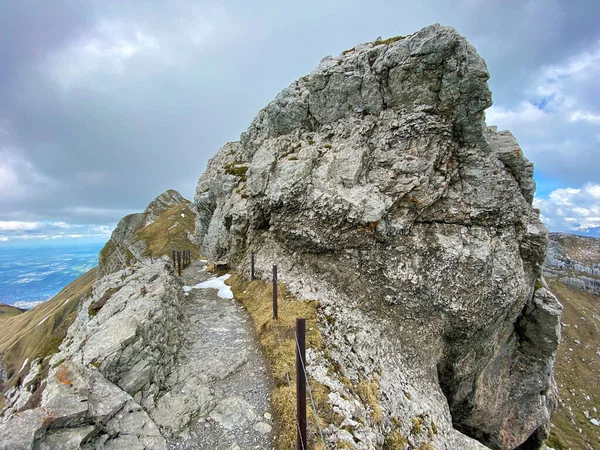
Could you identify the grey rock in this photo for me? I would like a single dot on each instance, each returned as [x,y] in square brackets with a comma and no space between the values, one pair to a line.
[20,431]
[128,348]
[262,427]
[233,413]
[375,185]
[67,438]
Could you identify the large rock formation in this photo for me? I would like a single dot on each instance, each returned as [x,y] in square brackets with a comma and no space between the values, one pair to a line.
[376,186]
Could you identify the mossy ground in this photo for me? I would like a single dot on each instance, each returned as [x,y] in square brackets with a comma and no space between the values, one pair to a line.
[278,342]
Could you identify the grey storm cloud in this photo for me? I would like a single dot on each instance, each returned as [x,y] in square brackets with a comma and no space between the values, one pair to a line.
[105,104]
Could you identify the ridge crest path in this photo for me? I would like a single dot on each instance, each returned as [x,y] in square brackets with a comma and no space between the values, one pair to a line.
[221,384]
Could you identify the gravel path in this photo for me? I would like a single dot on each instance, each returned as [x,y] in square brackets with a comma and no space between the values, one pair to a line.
[222,374]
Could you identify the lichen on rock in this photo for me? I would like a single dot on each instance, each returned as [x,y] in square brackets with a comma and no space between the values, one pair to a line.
[376,186]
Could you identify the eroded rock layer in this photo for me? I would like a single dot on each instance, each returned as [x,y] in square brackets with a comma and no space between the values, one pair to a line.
[375,185]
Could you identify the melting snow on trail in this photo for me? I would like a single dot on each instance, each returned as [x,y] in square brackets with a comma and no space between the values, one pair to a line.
[214,283]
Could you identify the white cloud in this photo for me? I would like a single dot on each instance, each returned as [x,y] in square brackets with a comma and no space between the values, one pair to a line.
[103,229]
[27,237]
[585,117]
[570,209]
[524,112]
[21,230]
[557,122]
[60,224]
[12,225]
[117,48]
[106,48]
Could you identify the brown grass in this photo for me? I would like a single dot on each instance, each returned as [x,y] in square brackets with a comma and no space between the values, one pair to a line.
[390,40]
[278,342]
[581,248]
[8,311]
[162,236]
[394,441]
[368,391]
[577,370]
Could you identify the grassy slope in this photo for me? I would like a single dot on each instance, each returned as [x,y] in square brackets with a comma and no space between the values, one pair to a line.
[581,248]
[8,311]
[39,331]
[577,370]
[169,232]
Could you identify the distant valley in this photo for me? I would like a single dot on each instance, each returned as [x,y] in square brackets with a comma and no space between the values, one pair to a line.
[30,275]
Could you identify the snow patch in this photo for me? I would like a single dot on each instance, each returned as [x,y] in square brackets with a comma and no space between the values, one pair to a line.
[183,215]
[214,283]
[24,364]
[42,321]
[66,301]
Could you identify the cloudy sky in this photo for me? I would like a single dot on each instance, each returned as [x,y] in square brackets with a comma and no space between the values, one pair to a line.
[105,104]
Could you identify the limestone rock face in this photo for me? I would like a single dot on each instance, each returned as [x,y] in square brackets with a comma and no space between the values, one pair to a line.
[375,185]
[124,248]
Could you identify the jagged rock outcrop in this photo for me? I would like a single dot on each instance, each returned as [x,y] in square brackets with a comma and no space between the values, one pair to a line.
[125,247]
[111,368]
[573,260]
[375,185]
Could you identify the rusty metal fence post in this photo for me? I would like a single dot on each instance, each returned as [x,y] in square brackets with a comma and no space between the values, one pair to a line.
[252,267]
[301,382]
[274,291]
[179,263]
